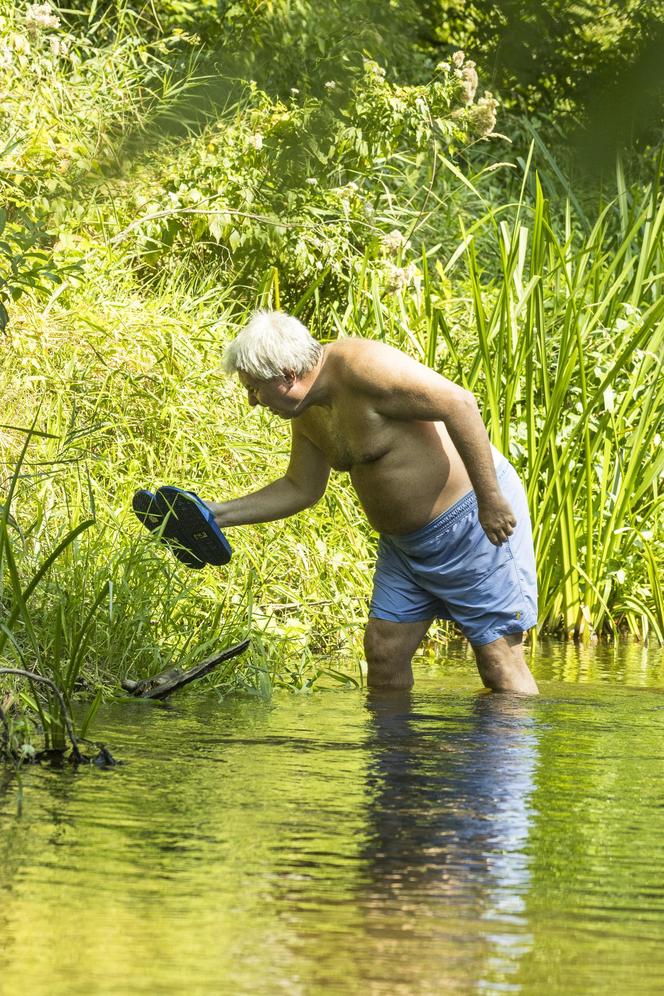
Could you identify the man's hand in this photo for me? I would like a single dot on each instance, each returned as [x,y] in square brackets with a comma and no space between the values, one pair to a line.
[497,519]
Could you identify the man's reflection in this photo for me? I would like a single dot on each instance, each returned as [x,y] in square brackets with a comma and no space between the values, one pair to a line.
[448,815]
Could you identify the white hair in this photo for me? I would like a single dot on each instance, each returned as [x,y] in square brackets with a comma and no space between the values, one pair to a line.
[270,344]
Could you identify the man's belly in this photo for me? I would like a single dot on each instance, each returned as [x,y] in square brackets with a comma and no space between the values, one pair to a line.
[405,490]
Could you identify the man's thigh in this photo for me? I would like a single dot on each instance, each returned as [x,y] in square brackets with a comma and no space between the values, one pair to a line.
[489,591]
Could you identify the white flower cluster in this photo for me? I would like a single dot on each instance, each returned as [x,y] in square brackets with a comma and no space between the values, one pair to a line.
[40,17]
[331,85]
[256,141]
[483,115]
[400,277]
[469,80]
[466,73]
[394,242]
[58,46]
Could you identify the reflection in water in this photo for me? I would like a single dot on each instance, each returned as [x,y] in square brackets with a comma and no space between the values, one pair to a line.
[448,819]
[399,845]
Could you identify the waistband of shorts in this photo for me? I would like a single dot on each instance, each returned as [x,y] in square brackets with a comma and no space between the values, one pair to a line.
[447,518]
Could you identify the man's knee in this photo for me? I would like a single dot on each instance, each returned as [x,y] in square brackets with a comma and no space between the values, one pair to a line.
[389,650]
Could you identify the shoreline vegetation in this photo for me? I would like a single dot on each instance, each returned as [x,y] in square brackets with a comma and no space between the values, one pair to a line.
[165,171]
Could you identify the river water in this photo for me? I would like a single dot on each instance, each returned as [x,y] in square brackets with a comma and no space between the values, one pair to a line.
[338,842]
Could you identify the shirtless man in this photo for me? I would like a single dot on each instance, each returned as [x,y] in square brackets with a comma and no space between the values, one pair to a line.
[440,496]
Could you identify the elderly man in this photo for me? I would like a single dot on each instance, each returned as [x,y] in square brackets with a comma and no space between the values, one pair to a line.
[455,537]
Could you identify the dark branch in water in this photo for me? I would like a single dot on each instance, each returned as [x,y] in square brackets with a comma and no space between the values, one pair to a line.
[162,685]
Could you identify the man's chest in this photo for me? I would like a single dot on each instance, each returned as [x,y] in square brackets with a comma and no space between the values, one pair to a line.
[348,435]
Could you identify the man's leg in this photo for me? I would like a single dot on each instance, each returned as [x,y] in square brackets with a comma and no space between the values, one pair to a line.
[503,667]
[389,649]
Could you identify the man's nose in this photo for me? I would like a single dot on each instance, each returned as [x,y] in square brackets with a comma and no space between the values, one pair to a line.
[252,399]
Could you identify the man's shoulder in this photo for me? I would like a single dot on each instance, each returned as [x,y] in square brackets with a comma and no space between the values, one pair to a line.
[355,344]
[355,354]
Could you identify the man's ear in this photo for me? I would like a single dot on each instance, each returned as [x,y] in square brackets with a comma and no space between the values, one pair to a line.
[289,377]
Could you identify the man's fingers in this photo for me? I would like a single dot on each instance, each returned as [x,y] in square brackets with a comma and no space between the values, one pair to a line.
[497,534]
[509,527]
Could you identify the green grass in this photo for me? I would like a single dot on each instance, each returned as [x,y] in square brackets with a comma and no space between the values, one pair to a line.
[113,602]
[562,342]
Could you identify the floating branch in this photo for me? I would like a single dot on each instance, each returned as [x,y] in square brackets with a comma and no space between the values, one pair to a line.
[169,681]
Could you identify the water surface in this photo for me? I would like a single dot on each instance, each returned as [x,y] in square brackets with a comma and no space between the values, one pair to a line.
[431,842]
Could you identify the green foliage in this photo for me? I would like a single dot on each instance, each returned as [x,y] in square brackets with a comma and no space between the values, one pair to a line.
[593,67]
[23,263]
[301,43]
[113,603]
[303,185]
[64,104]
[18,630]
[571,361]
[26,258]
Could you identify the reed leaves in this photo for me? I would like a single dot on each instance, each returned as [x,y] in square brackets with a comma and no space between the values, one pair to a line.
[559,330]
[569,368]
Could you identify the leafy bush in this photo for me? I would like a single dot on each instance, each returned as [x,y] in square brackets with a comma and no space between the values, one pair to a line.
[308,185]
[66,105]
[25,260]
[593,67]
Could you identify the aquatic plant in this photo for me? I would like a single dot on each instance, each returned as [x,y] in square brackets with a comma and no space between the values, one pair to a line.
[20,637]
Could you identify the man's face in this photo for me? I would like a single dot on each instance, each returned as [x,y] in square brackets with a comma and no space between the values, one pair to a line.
[278,394]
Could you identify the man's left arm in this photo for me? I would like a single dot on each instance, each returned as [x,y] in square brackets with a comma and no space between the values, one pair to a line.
[466,428]
[405,389]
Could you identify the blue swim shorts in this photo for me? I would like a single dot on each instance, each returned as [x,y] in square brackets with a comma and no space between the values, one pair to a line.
[449,569]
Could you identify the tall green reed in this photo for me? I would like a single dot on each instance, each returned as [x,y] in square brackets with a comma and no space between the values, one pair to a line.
[570,356]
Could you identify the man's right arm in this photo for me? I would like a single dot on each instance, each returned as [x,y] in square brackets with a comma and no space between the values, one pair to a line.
[301,486]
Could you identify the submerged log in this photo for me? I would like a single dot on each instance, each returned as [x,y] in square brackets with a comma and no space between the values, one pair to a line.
[161,685]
